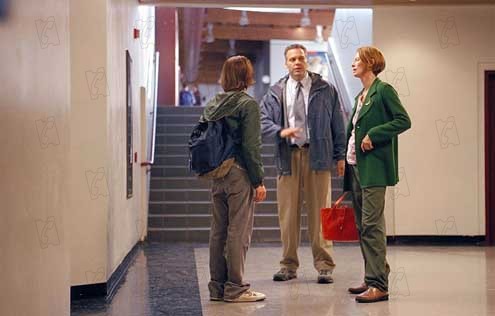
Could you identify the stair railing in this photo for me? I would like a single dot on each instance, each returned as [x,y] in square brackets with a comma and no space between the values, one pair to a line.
[151,154]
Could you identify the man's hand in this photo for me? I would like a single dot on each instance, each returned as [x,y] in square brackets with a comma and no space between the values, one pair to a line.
[340,167]
[292,132]
[366,144]
[260,193]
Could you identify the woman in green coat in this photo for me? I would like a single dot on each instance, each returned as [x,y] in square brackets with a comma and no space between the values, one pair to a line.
[372,165]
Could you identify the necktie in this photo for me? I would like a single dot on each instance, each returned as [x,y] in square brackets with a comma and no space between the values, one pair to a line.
[300,115]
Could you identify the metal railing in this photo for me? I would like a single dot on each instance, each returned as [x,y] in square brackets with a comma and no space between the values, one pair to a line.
[151,153]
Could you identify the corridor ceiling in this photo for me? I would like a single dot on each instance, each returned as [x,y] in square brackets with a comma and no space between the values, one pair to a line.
[310,3]
[225,27]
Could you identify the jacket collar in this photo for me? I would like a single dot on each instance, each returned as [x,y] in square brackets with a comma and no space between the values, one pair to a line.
[316,84]
[371,91]
[367,102]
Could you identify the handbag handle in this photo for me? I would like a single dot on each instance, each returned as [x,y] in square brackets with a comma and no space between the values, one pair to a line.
[340,199]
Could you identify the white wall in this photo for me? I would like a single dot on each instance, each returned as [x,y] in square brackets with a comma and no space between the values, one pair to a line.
[435,70]
[89,194]
[34,166]
[105,224]
[126,222]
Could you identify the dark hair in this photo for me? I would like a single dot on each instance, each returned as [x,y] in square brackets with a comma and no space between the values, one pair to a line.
[294,46]
[237,74]
[373,58]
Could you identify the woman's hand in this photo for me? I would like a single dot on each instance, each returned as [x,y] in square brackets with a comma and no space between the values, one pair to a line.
[366,144]
[260,193]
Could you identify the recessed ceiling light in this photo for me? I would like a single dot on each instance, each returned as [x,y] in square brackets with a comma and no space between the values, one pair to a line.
[272,10]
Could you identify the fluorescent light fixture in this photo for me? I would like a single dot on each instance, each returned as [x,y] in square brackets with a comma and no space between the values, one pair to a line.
[319,34]
[305,20]
[272,10]
[243,20]
[210,38]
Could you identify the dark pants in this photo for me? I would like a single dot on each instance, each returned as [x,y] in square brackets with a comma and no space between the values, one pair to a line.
[369,204]
[230,235]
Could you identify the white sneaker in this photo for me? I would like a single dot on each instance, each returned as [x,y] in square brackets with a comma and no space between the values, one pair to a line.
[248,296]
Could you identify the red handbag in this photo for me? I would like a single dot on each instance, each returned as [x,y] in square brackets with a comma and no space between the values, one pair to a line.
[338,222]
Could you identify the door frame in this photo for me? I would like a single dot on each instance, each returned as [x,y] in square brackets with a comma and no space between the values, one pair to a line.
[489,149]
[487,65]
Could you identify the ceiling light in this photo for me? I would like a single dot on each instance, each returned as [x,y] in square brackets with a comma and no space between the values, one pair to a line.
[305,20]
[272,10]
[243,20]
[232,51]
[209,36]
[319,34]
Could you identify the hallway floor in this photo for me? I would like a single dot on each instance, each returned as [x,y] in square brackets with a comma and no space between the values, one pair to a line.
[171,279]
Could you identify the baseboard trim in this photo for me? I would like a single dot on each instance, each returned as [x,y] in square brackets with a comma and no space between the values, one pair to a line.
[109,288]
[436,240]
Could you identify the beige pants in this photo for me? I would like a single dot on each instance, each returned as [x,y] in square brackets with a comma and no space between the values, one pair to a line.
[312,187]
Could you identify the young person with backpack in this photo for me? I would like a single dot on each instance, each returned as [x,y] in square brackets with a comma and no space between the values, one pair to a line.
[226,147]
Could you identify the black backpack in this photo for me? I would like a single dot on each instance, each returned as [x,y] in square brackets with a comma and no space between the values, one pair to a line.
[212,146]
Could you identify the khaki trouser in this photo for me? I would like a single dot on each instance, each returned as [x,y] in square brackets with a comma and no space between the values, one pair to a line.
[369,204]
[312,187]
[230,235]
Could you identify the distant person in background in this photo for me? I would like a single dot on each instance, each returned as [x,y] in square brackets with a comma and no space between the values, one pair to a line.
[372,165]
[186,97]
[197,95]
[4,8]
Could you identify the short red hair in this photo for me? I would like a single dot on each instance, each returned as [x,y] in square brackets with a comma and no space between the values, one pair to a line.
[373,58]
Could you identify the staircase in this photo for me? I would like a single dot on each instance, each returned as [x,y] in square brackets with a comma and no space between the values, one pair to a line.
[180,204]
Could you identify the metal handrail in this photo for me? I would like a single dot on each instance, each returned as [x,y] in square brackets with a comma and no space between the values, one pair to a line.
[345,103]
[151,154]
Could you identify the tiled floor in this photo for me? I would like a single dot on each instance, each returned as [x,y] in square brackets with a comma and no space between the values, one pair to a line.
[424,281]
[161,281]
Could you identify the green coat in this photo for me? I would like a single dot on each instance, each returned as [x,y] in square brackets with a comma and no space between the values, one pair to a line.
[382,117]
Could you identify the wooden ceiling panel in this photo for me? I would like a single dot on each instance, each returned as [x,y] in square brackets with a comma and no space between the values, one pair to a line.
[242,47]
[317,17]
[266,33]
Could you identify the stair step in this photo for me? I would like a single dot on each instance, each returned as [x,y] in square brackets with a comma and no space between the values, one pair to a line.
[206,207]
[174,128]
[194,182]
[204,194]
[185,118]
[203,220]
[183,171]
[166,110]
[200,207]
[183,138]
[260,234]
[182,149]
[163,160]
[193,195]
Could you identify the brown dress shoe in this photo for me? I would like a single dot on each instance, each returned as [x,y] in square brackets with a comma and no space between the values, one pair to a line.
[358,289]
[372,295]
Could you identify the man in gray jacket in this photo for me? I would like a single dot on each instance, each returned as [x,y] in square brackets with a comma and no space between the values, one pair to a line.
[302,113]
